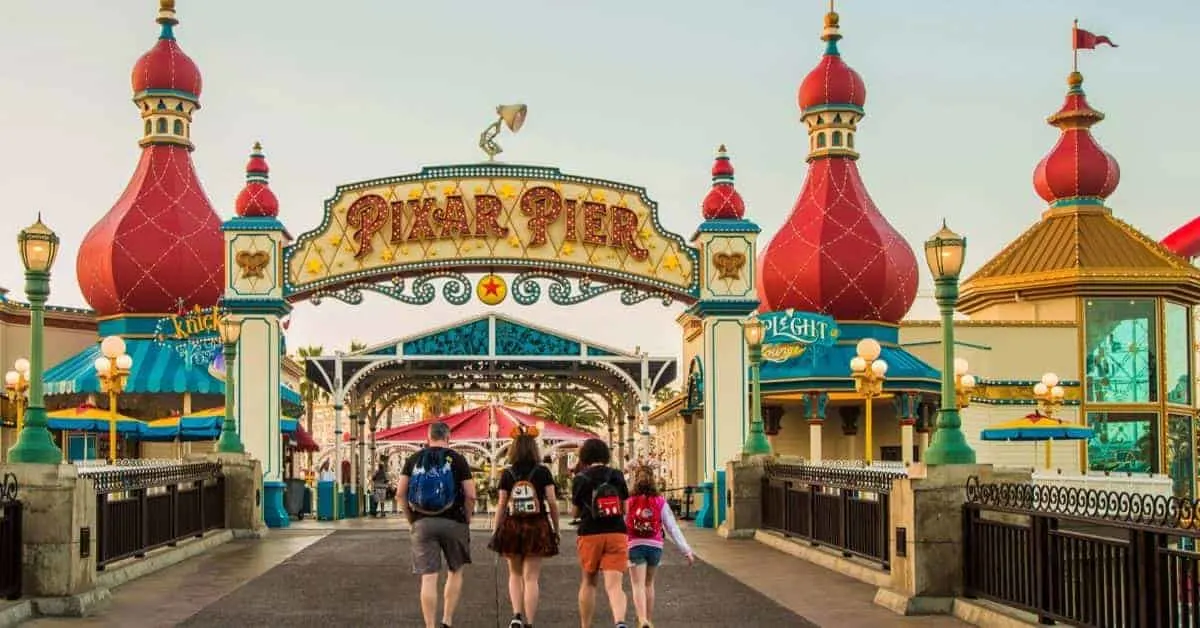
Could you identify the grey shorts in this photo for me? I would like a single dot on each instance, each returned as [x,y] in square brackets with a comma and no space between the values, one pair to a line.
[433,537]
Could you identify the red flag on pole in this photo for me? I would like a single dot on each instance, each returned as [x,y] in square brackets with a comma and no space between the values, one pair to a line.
[1086,40]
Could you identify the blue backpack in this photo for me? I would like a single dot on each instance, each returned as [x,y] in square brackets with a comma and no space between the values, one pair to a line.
[432,489]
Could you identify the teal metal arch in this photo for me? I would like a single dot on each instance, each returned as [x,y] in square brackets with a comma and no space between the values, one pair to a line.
[416,283]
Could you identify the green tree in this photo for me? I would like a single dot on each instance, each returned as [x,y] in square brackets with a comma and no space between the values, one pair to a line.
[435,404]
[569,409]
[665,394]
[357,345]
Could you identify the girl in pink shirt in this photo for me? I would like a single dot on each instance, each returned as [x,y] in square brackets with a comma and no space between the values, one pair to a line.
[647,516]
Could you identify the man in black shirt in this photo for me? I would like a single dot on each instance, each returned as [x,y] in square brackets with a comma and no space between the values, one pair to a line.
[437,495]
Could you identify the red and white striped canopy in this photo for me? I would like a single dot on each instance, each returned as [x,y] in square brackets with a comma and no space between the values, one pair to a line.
[474,425]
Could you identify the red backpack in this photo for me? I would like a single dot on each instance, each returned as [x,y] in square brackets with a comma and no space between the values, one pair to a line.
[644,519]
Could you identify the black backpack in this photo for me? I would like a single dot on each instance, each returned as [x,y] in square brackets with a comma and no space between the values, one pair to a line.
[606,497]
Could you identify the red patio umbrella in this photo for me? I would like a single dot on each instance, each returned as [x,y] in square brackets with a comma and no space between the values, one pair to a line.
[474,424]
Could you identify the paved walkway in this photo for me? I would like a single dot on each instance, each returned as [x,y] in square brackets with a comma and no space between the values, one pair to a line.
[356,573]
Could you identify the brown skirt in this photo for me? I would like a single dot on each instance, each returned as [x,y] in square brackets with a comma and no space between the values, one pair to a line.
[525,536]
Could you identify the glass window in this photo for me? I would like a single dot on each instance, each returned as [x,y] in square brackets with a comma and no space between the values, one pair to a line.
[1121,350]
[1123,441]
[1180,464]
[1178,382]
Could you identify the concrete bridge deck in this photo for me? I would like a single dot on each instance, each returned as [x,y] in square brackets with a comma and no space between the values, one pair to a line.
[356,573]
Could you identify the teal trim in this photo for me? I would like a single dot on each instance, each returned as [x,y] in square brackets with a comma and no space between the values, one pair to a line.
[172,93]
[828,368]
[1072,201]
[388,350]
[833,107]
[167,32]
[253,223]
[726,225]
[598,351]
[269,306]
[740,307]
[129,326]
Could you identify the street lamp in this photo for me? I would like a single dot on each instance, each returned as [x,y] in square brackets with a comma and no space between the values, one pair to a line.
[230,442]
[16,382]
[1050,395]
[38,246]
[944,252]
[964,383]
[112,369]
[756,440]
[869,372]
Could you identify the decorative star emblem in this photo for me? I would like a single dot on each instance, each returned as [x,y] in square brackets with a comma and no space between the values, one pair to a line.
[414,193]
[315,266]
[598,195]
[645,233]
[558,187]
[479,189]
[567,249]
[449,189]
[508,191]
[387,256]
[670,261]
[514,241]
[491,287]
[404,250]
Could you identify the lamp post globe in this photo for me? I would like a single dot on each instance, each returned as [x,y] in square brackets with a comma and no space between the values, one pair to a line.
[38,247]
[945,252]
[22,366]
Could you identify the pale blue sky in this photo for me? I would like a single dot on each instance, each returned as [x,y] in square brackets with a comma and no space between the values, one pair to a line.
[632,91]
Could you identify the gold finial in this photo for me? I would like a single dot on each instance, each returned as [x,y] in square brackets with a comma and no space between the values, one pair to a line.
[1075,79]
[831,20]
[169,5]
[166,12]
[258,147]
[721,149]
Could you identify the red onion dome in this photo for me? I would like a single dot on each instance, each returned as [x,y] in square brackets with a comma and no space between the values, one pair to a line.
[256,199]
[832,82]
[1077,169]
[165,67]
[723,201]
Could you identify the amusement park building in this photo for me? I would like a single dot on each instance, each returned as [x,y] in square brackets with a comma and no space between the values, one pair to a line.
[1080,293]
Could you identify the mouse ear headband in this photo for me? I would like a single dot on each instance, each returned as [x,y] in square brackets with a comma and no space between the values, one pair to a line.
[523,430]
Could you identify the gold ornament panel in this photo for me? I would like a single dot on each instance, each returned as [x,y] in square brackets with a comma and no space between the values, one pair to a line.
[253,265]
[729,266]
[486,222]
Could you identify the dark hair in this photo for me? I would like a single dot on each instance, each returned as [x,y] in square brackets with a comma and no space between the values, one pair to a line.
[643,481]
[439,432]
[523,450]
[547,459]
[594,451]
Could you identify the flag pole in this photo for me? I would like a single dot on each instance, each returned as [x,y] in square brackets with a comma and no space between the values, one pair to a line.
[1075,46]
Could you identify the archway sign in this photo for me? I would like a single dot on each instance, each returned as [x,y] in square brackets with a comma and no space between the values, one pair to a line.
[532,232]
[582,237]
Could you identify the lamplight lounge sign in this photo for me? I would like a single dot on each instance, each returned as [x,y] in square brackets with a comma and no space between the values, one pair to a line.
[789,333]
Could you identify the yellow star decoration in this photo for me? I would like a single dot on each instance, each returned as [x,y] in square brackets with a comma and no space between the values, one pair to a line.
[387,256]
[507,191]
[567,249]
[582,196]
[315,266]
[645,233]
[670,261]
[414,193]
[404,250]
[449,189]
[558,188]
[479,189]
[514,241]
[598,195]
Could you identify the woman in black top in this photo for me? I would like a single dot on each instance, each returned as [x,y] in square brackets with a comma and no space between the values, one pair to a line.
[526,526]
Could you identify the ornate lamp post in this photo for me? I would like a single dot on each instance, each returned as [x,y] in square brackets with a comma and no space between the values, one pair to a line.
[944,253]
[964,383]
[38,246]
[1050,396]
[112,369]
[230,441]
[16,382]
[869,372]
[756,440]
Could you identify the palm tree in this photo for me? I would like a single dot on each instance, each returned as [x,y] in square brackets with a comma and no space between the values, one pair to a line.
[665,394]
[569,409]
[357,345]
[435,404]
[310,393]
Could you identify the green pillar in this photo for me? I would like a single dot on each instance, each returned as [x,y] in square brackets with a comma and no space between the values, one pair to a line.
[949,445]
[230,442]
[756,441]
[35,444]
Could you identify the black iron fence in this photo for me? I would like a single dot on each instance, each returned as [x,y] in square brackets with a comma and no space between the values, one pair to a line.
[140,508]
[683,501]
[1087,557]
[11,542]
[845,509]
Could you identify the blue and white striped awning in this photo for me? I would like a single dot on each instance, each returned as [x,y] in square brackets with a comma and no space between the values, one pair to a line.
[157,369]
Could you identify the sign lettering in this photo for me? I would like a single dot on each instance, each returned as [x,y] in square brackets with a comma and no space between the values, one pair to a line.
[806,328]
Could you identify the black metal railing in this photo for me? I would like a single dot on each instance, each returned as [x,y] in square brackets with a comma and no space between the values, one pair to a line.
[141,508]
[1083,556]
[11,542]
[682,501]
[841,508]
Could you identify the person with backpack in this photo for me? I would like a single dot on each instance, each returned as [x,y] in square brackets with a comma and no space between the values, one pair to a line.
[598,494]
[647,516]
[437,495]
[526,524]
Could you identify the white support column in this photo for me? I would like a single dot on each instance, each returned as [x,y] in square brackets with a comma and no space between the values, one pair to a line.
[906,442]
[814,441]
[255,296]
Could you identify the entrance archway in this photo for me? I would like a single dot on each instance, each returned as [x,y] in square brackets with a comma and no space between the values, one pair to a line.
[492,232]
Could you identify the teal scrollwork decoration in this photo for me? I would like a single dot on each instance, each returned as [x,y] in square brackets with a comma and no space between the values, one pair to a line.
[469,339]
[422,291]
[527,289]
[513,339]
